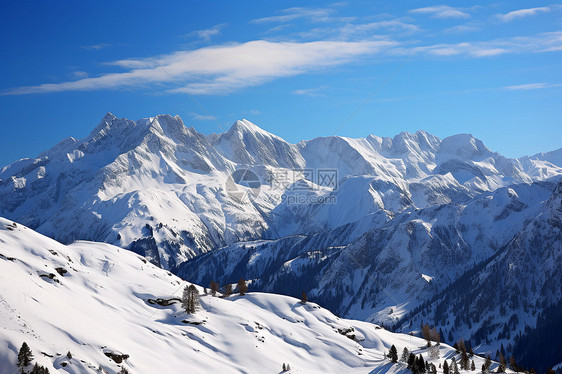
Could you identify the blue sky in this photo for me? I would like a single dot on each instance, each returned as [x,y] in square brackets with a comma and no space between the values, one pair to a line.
[493,69]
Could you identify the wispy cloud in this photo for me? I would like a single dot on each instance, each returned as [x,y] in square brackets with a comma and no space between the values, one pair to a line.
[523,13]
[354,31]
[221,69]
[96,47]
[533,86]
[309,14]
[207,34]
[79,74]
[442,11]
[461,29]
[313,92]
[201,117]
[545,42]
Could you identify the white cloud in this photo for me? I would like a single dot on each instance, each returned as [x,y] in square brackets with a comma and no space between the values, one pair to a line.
[310,14]
[97,47]
[442,11]
[532,86]
[201,117]
[291,14]
[207,34]
[350,31]
[391,25]
[221,69]
[313,92]
[545,42]
[80,74]
[522,13]
[461,29]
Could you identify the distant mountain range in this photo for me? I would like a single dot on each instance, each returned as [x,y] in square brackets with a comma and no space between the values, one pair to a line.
[397,230]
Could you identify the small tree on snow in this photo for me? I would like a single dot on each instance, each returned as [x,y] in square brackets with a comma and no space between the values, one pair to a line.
[228,290]
[405,355]
[426,333]
[25,357]
[454,367]
[488,363]
[393,354]
[445,367]
[304,298]
[214,286]
[242,287]
[190,299]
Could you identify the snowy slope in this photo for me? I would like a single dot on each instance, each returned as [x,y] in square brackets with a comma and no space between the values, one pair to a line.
[99,310]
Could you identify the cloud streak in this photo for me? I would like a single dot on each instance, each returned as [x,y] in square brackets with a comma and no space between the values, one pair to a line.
[207,34]
[292,14]
[532,86]
[96,47]
[441,11]
[312,92]
[508,17]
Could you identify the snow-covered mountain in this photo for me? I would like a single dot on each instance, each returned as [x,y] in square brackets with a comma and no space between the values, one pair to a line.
[408,217]
[100,303]
[158,187]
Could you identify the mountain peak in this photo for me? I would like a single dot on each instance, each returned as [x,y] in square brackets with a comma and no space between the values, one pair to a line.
[244,126]
[464,146]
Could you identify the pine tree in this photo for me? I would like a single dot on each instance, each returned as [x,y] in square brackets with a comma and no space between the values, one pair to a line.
[214,287]
[513,364]
[502,365]
[488,362]
[411,361]
[242,287]
[284,367]
[464,362]
[405,355]
[25,357]
[454,367]
[185,299]
[393,354]
[190,299]
[69,355]
[445,367]
[426,333]
[288,367]
[421,365]
[228,290]
[304,298]
[193,298]
[472,366]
